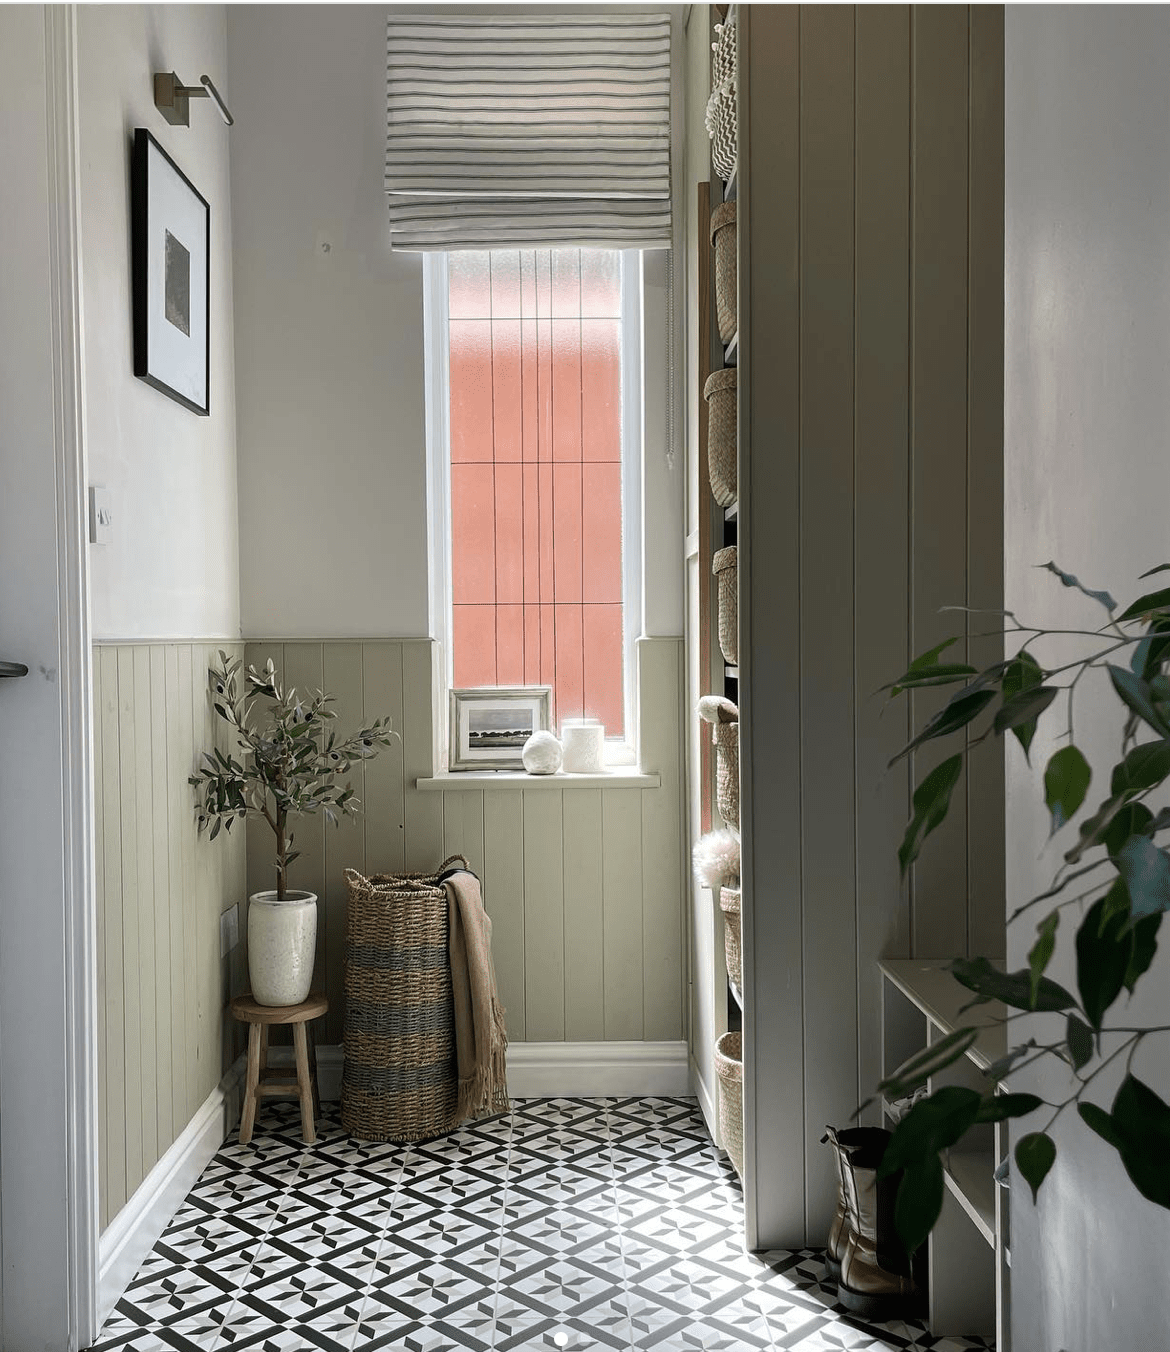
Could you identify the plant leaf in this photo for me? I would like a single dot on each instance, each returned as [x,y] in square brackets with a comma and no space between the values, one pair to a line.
[1145,944]
[1133,820]
[959,710]
[999,1069]
[1041,952]
[1161,568]
[1013,988]
[918,1069]
[1135,693]
[1146,871]
[1069,581]
[1066,781]
[1142,1122]
[1021,711]
[1035,1155]
[919,1202]
[999,1107]
[931,1125]
[1145,766]
[1079,1037]
[1103,950]
[1021,672]
[932,798]
[1149,604]
[1100,1122]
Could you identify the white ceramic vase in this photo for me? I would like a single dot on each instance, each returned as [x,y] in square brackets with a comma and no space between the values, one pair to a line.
[282,945]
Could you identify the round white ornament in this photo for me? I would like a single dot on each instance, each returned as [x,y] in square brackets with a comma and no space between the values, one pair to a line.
[542,754]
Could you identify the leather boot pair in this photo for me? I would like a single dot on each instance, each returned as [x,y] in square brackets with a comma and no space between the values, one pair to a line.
[864,1255]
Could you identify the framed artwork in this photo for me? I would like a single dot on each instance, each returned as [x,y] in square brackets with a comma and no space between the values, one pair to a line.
[489,726]
[171,245]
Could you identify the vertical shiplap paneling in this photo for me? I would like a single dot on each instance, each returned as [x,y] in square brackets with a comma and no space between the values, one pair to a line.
[544,910]
[985,778]
[209,732]
[463,827]
[343,673]
[99,827]
[424,811]
[303,671]
[660,733]
[881,526]
[143,809]
[131,985]
[621,825]
[384,818]
[939,428]
[584,959]
[180,799]
[826,612]
[161,895]
[503,849]
[192,686]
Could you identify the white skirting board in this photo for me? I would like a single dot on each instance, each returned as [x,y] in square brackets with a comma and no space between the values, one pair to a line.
[706,1102]
[541,1069]
[133,1232]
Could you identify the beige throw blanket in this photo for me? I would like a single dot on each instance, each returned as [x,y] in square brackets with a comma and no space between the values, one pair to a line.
[480,1036]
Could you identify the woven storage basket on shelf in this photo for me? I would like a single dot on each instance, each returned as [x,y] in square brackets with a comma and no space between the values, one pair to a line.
[720,117]
[723,240]
[726,739]
[399,1080]
[729,1069]
[725,567]
[720,394]
[729,905]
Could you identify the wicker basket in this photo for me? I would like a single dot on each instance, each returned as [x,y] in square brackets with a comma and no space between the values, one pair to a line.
[729,1069]
[399,1081]
[723,239]
[724,566]
[729,905]
[720,394]
[720,117]
[726,739]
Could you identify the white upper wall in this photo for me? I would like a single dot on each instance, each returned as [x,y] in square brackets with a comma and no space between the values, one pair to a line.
[1087,480]
[329,340]
[171,570]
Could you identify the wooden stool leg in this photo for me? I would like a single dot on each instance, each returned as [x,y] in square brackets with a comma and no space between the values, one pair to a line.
[313,1073]
[304,1083]
[263,1048]
[248,1116]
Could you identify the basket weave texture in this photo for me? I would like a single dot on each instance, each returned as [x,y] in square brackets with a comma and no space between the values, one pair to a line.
[725,566]
[729,1069]
[720,394]
[726,739]
[399,1079]
[723,238]
[729,905]
[720,117]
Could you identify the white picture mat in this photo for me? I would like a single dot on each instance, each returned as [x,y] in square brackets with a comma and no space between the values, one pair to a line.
[463,753]
[176,358]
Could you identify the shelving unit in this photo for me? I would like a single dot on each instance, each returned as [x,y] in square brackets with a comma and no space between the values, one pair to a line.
[969,1253]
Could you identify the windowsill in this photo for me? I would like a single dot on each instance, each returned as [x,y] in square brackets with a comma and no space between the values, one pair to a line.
[620,777]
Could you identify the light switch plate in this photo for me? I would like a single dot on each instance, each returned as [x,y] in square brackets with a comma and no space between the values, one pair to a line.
[229,930]
[101,515]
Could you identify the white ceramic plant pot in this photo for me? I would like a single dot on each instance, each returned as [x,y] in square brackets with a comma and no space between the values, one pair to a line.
[282,944]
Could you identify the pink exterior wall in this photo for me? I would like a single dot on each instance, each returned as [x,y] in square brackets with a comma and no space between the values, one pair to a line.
[536,485]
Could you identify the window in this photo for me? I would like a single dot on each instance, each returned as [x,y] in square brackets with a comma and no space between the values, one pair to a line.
[536,400]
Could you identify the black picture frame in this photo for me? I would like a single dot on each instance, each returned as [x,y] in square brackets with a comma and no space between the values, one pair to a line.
[170,227]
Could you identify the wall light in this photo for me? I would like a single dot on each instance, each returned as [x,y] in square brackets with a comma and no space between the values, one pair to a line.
[172,98]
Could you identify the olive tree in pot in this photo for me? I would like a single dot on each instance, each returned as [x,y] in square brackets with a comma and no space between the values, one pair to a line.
[1112,885]
[291,764]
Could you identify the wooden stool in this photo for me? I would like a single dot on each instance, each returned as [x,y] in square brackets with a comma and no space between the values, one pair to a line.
[299,1083]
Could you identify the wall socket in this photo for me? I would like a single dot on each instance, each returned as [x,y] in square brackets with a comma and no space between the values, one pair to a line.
[229,930]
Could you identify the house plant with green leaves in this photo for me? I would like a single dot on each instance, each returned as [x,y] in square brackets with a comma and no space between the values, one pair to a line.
[288,762]
[1112,884]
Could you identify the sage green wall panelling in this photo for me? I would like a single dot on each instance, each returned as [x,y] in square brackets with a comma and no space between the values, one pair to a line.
[938,429]
[827,611]
[584,886]
[881,522]
[871,217]
[164,1041]
[985,457]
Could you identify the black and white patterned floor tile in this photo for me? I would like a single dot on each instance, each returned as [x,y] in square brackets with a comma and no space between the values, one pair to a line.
[566,1224]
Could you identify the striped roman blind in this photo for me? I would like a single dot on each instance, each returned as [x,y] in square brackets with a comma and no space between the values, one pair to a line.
[508,131]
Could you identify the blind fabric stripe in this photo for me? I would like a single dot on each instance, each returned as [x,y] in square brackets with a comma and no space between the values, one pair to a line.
[508,131]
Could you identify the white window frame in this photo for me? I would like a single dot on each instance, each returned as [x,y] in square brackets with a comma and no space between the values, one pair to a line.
[619,750]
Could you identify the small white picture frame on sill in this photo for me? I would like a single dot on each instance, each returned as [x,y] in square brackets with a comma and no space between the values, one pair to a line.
[490,725]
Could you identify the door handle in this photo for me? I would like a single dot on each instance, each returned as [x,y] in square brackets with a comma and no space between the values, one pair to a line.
[13,669]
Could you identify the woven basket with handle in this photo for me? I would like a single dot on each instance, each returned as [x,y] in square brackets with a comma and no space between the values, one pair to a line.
[723,238]
[720,394]
[729,1071]
[726,739]
[399,1078]
[725,566]
[729,905]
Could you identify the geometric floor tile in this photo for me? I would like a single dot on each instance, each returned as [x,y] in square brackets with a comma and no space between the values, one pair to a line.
[565,1224]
